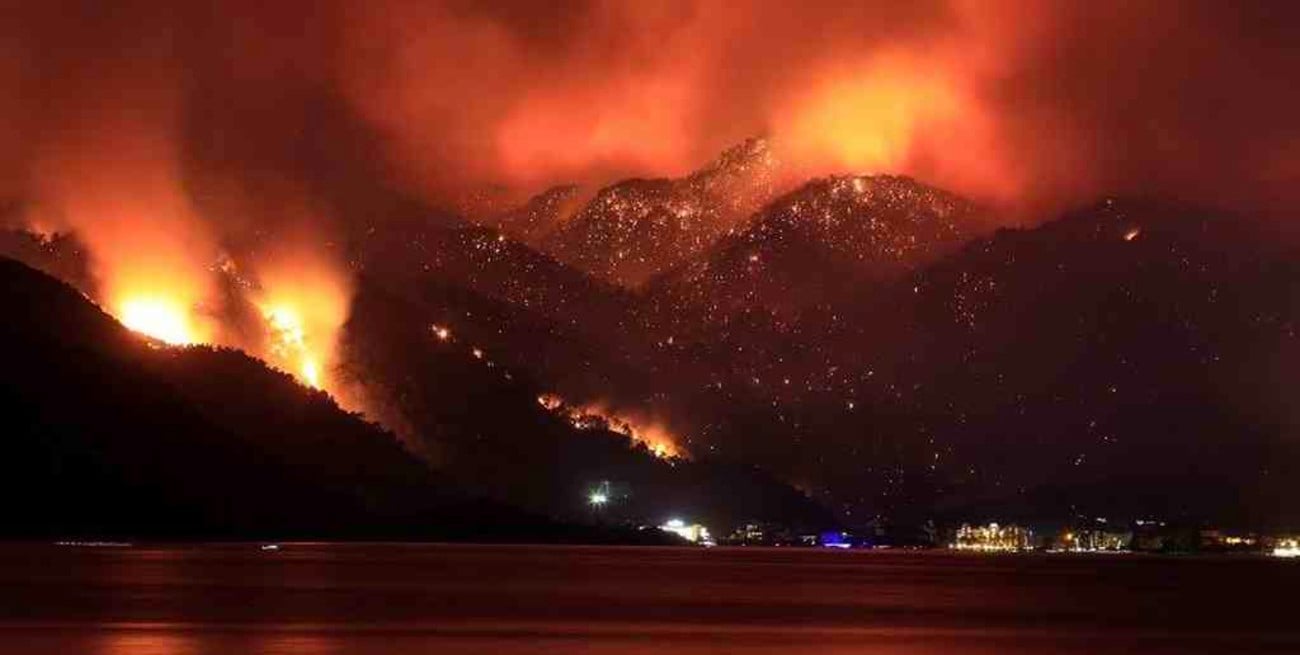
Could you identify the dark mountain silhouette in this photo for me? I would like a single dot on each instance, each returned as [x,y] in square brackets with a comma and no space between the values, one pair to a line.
[534,313]
[485,262]
[1128,359]
[822,244]
[61,255]
[1129,356]
[109,434]
[481,421]
[856,337]
[535,316]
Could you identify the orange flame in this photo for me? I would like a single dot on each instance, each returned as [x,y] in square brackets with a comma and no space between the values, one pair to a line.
[894,112]
[654,437]
[162,318]
[304,300]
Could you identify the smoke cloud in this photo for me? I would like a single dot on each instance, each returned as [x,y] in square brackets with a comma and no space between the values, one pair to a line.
[195,126]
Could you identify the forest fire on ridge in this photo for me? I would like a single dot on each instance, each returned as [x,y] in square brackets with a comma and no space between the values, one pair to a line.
[594,416]
[295,326]
[158,317]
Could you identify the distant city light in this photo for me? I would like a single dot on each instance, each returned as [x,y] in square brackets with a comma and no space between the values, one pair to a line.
[1287,548]
[694,533]
[993,538]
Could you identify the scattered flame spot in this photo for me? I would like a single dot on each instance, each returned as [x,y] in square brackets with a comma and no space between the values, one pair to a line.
[550,401]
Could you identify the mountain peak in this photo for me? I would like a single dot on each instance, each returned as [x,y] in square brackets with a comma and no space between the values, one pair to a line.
[637,228]
[842,228]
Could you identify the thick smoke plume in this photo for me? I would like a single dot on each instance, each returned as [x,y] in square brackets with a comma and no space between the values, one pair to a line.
[1013,100]
[166,133]
[1028,102]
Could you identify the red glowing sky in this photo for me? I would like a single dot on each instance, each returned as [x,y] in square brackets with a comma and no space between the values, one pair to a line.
[1016,101]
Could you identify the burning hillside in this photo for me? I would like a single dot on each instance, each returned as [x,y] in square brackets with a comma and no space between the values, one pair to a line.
[288,312]
[595,416]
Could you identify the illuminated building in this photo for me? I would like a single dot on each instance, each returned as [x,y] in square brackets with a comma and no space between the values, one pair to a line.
[1093,541]
[694,533]
[993,538]
[757,533]
[1287,547]
[750,533]
[1217,540]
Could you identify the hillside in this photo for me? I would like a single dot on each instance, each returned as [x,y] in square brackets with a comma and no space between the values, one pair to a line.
[820,245]
[634,229]
[108,434]
[481,419]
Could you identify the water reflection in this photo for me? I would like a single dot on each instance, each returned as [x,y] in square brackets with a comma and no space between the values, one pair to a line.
[177,642]
[398,599]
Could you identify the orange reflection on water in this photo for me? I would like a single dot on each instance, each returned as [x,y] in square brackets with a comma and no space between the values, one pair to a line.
[150,642]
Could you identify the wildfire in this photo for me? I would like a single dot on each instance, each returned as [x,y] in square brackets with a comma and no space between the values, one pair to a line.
[301,302]
[289,344]
[164,319]
[659,441]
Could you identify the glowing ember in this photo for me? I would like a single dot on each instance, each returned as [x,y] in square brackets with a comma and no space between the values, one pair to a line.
[161,318]
[1132,234]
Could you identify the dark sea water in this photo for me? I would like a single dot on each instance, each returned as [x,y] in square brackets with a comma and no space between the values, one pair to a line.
[401,599]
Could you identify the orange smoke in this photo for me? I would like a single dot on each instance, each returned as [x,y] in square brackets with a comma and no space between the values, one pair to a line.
[154,257]
[892,112]
[636,123]
[1037,99]
[112,175]
[116,182]
[631,89]
[867,119]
